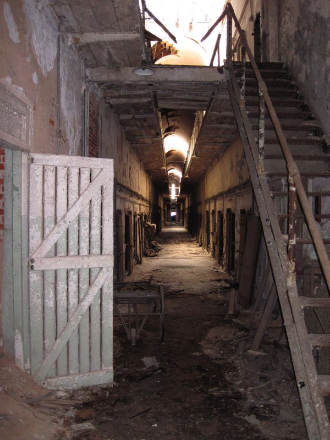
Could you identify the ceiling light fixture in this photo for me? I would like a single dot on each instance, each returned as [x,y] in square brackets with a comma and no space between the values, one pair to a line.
[143,70]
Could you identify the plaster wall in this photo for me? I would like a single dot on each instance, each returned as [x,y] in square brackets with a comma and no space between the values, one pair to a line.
[246,13]
[305,48]
[230,171]
[225,186]
[29,81]
[129,170]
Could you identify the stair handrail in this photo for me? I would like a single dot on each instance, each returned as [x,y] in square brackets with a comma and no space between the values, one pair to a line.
[295,182]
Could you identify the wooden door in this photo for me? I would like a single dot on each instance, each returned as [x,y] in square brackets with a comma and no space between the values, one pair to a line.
[71,270]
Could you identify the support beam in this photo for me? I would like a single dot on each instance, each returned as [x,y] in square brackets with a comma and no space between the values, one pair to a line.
[171,74]
[96,37]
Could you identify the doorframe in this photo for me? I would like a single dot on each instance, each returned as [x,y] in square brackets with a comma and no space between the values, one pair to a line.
[15,282]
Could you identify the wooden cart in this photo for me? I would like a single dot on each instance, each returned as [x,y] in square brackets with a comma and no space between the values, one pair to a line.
[134,308]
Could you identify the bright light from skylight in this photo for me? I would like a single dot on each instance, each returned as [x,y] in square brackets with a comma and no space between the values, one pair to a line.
[175,142]
[188,18]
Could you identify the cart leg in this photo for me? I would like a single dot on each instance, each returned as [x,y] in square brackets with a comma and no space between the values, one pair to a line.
[133,336]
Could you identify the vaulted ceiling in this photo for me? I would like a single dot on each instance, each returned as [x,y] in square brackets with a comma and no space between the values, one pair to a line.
[110,37]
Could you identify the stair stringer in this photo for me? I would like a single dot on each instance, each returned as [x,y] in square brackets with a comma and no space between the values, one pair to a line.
[315,414]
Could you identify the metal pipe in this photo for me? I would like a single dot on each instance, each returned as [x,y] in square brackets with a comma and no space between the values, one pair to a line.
[215,50]
[291,165]
[243,72]
[222,16]
[229,53]
[160,24]
[261,136]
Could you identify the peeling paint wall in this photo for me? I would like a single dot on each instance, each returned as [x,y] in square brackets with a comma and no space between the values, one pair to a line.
[28,67]
[135,194]
[305,48]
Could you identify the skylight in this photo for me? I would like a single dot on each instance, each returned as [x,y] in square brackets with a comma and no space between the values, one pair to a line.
[187,18]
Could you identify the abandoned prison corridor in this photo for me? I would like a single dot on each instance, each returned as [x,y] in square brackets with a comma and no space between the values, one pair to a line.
[201,383]
[192,388]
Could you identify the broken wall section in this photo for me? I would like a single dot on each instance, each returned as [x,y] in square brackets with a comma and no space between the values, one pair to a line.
[41,99]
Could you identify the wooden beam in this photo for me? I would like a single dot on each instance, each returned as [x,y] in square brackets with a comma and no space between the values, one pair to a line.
[96,37]
[171,74]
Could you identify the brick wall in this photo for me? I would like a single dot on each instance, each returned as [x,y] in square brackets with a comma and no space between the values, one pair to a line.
[2,192]
[93,126]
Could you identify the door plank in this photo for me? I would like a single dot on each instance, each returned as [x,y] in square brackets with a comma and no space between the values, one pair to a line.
[17,258]
[71,214]
[49,275]
[107,289]
[84,231]
[36,277]
[25,258]
[95,248]
[61,274]
[8,283]
[75,161]
[72,262]
[75,319]
[105,376]
[73,291]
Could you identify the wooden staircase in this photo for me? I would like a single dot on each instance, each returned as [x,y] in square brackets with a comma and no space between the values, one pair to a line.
[272,189]
[283,143]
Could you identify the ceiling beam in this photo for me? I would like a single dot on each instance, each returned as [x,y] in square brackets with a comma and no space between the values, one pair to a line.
[170,74]
[96,37]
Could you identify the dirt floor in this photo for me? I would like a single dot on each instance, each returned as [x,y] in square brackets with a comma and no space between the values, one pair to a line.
[201,383]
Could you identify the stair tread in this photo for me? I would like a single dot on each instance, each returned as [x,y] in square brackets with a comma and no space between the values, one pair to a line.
[297,156]
[296,114]
[314,302]
[312,140]
[264,64]
[319,339]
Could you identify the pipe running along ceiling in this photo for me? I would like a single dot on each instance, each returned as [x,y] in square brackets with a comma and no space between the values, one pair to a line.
[177,124]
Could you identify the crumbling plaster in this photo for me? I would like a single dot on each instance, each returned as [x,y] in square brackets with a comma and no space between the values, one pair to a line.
[28,34]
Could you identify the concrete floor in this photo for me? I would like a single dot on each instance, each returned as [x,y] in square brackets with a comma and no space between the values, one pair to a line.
[198,384]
